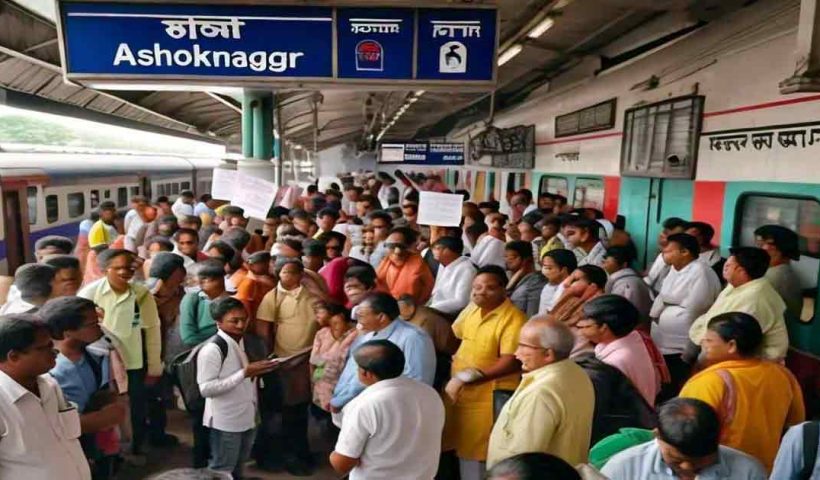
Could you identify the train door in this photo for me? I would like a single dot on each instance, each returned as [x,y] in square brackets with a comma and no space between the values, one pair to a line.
[646,203]
[15,245]
[20,200]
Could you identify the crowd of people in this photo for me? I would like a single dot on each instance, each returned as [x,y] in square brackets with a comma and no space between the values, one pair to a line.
[517,345]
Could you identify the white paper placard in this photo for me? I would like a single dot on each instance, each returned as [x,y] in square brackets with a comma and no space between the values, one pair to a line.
[254,195]
[440,209]
[223,184]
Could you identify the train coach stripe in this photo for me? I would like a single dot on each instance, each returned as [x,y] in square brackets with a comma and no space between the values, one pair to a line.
[707,204]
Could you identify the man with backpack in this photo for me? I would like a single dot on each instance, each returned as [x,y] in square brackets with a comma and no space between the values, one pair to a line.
[797,457]
[225,380]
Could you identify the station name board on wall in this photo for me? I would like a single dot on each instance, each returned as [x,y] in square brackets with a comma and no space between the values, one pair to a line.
[422,153]
[239,45]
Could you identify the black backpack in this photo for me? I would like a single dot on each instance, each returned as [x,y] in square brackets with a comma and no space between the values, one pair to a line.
[183,372]
[811,430]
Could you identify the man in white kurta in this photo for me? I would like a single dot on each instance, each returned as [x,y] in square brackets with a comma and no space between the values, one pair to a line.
[687,293]
[454,280]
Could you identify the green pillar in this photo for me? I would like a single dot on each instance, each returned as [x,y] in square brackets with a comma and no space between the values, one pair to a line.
[257,133]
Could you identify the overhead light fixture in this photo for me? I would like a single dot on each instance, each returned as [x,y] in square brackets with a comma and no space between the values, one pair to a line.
[509,53]
[419,93]
[542,27]
[413,99]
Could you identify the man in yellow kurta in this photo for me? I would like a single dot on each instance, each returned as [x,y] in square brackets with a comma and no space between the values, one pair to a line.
[749,292]
[485,362]
[551,411]
[756,400]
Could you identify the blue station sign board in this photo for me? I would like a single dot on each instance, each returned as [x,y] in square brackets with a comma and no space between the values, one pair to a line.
[422,153]
[238,45]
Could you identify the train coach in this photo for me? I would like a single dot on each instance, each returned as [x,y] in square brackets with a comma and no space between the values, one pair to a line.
[50,193]
[696,128]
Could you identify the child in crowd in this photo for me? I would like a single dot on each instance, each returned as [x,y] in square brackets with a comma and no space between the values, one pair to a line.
[330,348]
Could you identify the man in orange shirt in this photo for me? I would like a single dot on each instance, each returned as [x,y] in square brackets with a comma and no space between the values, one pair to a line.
[404,270]
[256,284]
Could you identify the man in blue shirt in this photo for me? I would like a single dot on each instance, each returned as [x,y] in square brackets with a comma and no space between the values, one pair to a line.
[74,324]
[686,448]
[378,317]
[791,461]
[206,205]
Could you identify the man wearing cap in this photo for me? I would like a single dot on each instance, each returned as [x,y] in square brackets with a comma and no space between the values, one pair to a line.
[783,246]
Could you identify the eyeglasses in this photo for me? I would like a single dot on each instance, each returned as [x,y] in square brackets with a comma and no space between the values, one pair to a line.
[393,246]
[534,347]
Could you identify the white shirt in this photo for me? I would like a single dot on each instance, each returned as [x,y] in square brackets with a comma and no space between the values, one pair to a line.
[230,397]
[657,273]
[17,305]
[711,257]
[131,233]
[488,251]
[595,256]
[131,215]
[686,294]
[454,283]
[394,427]
[39,437]
[549,297]
[182,209]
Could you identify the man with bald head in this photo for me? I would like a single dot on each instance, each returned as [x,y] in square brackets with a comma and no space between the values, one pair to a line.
[539,416]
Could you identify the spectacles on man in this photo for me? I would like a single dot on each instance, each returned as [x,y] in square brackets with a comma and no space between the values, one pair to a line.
[534,347]
[393,246]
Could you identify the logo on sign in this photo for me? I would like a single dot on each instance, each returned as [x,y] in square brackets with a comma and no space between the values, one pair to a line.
[452,58]
[369,56]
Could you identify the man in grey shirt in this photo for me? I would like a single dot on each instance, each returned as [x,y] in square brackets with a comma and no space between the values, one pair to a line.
[525,283]
[783,246]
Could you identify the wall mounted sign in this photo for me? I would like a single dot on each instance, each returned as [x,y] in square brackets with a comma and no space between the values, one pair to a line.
[241,45]
[422,153]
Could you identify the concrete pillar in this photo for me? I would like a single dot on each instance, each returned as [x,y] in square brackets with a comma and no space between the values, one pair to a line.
[806,76]
[257,135]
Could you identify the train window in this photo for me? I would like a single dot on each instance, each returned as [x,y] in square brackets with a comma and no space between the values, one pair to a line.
[135,191]
[122,196]
[95,198]
[801,214]
[589,193]
[554,185]
[175,188]
[107,194]
[31,200]
[52,208]
[660,140]
[76,204]
[185,186]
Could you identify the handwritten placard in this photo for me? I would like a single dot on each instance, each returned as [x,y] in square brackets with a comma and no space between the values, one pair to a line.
[224,184]
[254,195]
[440,209]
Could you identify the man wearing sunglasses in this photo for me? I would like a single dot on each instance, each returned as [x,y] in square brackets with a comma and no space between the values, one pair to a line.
[404,270]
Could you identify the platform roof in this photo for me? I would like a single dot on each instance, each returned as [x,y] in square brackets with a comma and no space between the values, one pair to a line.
[30,69]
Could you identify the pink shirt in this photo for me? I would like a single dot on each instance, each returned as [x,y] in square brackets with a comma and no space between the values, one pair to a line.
[629,355]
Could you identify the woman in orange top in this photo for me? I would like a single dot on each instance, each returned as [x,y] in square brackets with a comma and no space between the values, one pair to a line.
[256,283]
[755,399]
